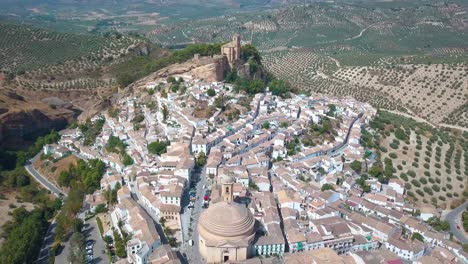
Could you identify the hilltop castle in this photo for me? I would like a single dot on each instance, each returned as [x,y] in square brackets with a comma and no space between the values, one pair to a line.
[213,68]
[232,50]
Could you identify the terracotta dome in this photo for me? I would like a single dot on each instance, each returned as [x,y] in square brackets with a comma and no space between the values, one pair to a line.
[226,220]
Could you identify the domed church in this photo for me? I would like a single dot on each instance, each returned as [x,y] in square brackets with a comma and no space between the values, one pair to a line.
[226,230]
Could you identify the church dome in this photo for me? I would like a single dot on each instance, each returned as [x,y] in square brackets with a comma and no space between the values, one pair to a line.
[225,220]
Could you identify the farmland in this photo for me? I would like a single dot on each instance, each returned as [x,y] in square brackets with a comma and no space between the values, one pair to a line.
[400,55]
[388,54]
[25,48]
[432,163]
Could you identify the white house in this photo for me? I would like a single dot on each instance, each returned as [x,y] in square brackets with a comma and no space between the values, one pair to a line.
[405,249]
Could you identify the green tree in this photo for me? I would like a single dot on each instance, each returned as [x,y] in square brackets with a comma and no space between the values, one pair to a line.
[171,79]
[23,240]
[356,166]
[125,79]
[266,125]
[119,244]
[375,171]
[249,51]
[280,88]
[327,186]
[417,236]
[77,249]
[211,92]
[165,112]
[438,224]
[127,160]
[158,147]
[77,225]
[201,159]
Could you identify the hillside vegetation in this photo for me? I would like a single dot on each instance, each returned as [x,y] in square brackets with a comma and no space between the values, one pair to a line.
[432,163]
[24,48]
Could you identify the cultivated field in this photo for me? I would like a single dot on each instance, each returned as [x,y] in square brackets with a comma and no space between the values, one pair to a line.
[435,92]
[433,164]
[430,91]
[24,48]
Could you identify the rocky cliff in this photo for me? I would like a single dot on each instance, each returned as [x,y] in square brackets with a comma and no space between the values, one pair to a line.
[22,119]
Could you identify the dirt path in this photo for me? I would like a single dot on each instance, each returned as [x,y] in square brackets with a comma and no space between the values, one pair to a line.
[336,61]
[419,119]
[359,35]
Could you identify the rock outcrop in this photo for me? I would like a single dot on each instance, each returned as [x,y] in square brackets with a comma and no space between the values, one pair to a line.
[22,119]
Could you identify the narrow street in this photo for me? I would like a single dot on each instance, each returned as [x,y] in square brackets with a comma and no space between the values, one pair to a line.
[192,253]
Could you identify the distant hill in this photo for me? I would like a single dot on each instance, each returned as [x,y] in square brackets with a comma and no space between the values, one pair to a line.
[25,48]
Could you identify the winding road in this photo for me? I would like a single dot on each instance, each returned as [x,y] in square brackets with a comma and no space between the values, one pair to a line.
[454,218]
[50,235]
[41,179]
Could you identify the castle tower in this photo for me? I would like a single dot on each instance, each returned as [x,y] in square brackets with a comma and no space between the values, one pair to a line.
[232,50]
[236,40]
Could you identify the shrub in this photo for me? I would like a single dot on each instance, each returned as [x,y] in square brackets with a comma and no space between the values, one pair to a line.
[99,223]
[442,198]
[436,188]
[415,183]
[428,190]
[411,173]
[423,180]
[408,186]
[403,176]
[421,193]
[394,146]
[393,155]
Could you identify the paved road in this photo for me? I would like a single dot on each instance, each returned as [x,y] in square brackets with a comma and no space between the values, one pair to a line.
[91,232]
[193,255]
[62,256]
[47,244]
[41,179]
[50,235]
[454,218]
